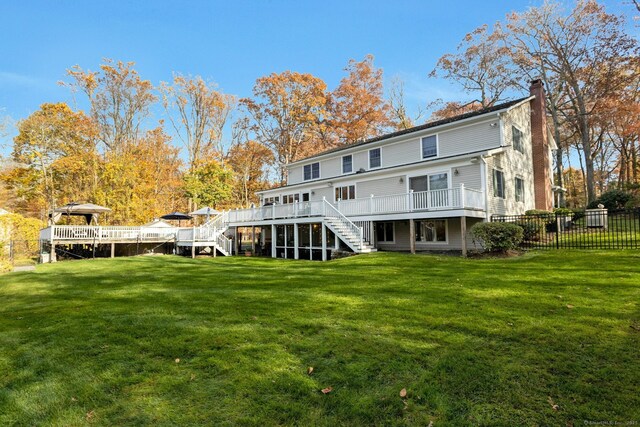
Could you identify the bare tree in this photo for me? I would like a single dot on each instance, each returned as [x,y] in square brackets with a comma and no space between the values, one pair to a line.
[119,98]
[198,113]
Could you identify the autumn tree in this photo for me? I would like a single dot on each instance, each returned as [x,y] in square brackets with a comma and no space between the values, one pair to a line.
[249,161]
[579,54]
[358,108]
[453,108]
[398,112]
[286,114]
[479,66]
[142,180]
[210,183]
[198,113]
[120,101]
[56,157]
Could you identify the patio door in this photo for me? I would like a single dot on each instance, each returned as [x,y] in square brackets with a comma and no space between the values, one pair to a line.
[430,191]
[305,205]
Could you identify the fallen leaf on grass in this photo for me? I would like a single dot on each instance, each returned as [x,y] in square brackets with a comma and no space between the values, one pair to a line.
[403,392]
[553,404]
[569,306]
[90,415]
[327,390]
[73,399]
[177,360]
[193,377]
[309,370]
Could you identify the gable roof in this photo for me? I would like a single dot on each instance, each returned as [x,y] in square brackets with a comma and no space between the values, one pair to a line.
[428,125]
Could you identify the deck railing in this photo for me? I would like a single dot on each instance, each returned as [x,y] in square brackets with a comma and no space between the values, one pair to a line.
[115,233]
[434,200]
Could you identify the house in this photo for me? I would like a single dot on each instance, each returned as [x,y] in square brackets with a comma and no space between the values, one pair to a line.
[412,190]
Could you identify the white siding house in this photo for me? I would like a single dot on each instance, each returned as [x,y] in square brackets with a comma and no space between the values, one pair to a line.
[417,189]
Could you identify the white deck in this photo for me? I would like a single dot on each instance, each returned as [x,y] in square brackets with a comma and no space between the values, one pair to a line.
[459,201]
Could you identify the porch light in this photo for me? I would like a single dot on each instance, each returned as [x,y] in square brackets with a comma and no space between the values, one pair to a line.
[329,184]
[456,172]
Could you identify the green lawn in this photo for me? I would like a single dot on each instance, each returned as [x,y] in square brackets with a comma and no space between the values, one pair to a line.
[175,341]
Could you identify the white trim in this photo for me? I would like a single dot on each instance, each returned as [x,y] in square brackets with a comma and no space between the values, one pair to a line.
[437,242]
[437,147]
[311,166]
[435,172]
[369,158]
[342,164]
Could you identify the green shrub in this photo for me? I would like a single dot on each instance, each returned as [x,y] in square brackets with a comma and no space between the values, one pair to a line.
[532,230]
[537,212]
[563,211]
[612,199]
[497,236]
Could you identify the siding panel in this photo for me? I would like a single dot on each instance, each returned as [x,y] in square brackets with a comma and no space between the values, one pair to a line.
[381,187]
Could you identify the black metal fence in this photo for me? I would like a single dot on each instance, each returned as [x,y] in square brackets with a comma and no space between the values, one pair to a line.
[18,252]
[589,229]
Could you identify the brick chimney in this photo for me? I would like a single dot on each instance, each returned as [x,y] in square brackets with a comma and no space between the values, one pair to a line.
[540,144]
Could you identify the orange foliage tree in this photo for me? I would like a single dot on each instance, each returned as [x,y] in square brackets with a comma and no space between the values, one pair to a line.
[358,108]
[286,115]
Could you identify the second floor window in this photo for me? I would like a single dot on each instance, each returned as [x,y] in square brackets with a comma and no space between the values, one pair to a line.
[498,183]
[347,164]
[519,190]
[517,136]
[374,158]
[347,192]
[312,171]
[429,146]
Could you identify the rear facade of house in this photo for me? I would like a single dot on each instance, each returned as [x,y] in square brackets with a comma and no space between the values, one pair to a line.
[416,190]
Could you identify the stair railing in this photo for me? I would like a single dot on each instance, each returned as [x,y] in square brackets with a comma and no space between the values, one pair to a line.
[331,211]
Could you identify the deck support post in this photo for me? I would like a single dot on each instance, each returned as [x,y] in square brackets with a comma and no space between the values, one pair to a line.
[235,240]
[113,250]
[296,250]
[324,242]
[412,236]
[372,234]
[273,240]
[52,254]
[193,242]
[463,234]
[253,239]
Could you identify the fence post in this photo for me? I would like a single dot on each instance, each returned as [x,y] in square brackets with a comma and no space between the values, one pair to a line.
[557,231]
[462,200]
[410,200]
[371,205]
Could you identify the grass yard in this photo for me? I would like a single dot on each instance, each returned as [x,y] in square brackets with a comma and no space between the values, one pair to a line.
[227,341]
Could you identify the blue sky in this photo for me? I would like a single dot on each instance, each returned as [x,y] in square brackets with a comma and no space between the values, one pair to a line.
[233,42]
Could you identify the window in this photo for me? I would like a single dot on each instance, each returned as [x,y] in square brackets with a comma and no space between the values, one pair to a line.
[519,190]
[384,232]
[429,146]
[431,231]
[374,158]
[271,200]
[346,193]
[290,198]
[438,181]
[312,171]
[347,164]
[517,137]
[498,183]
